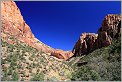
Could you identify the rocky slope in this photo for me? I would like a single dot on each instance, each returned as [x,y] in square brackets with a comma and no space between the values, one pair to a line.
[102,64]
[88,42]
[13,24]
[21,62]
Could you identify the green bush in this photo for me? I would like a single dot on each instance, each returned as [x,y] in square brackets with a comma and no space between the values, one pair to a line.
[85,74]
[38,77]
[3,43]
[9,72]
[53,79]
[15,77]
[10,48]
[22,79]
[19,66]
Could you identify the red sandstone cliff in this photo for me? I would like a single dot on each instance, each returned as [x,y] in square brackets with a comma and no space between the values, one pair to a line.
[14,25]
[109,30]
[85,43]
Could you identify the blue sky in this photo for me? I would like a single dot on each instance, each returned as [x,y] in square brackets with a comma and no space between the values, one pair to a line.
[59,24]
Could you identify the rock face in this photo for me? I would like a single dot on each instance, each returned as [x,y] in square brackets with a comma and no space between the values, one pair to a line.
[14,25]
[61,54]
[109,30]
[85,44]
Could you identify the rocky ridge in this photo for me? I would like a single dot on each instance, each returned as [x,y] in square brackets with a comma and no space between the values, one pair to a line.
[88,42]
[21,62]
[13,24]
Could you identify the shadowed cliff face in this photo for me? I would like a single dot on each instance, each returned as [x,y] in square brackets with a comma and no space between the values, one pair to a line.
[88,42]
[14,25]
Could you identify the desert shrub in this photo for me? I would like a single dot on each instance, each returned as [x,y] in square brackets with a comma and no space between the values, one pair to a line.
[15,76]
[33,65]
[3,61]
[3,43]
[9,71]
[38,77]
[29,48]
[31,58]
[85,74]
[22,79]
[10,48]
[19,66]
[61,73]
[21,72]
[12,59]
[38,41]
[53,79]
[23,51]
[5,78]
[11,37]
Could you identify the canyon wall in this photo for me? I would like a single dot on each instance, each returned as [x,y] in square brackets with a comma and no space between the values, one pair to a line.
[13,24]
[88,42]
